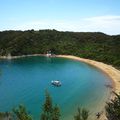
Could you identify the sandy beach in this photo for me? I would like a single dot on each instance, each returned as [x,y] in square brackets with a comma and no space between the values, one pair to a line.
[112,72]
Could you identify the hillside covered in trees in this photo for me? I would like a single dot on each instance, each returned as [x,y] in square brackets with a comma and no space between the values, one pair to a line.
[96,46]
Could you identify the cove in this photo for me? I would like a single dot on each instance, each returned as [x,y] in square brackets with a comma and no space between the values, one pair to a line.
[24,81]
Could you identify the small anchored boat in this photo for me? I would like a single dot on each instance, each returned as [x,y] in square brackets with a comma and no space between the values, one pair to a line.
[56,83]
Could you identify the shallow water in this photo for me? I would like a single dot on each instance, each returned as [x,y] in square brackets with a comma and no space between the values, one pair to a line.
[24,81]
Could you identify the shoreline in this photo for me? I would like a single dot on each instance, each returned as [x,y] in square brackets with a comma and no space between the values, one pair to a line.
[111,72]
[21,56]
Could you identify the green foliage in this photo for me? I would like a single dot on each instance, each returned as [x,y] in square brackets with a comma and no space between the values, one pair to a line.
[5,116]
[82,114]
[20,113]
[113,108]
[50,112]
[85,114]
[48,104]
[96,46]
[55,113]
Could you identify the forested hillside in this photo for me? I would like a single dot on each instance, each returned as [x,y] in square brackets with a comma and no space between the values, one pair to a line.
[96,46]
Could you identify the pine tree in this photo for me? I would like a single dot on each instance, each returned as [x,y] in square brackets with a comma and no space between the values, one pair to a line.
[47,107]
[56,113]
[20,113]
[49,112]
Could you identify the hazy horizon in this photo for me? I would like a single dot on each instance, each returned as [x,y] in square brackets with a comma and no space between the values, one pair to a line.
[62,15]
[62,31]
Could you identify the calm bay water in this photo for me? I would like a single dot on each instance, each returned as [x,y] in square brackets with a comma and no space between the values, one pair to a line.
[24,81]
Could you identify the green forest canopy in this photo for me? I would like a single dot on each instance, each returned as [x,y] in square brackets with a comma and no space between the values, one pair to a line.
[93,45]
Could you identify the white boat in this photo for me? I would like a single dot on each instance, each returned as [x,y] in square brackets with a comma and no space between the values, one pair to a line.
[56,83]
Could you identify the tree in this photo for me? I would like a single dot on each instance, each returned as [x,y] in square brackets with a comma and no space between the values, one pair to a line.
[113,108]
[50,112]
[82,114]
[85,114]
[56,113]
[5,116]
[48,103]
[96,46]
[20,113]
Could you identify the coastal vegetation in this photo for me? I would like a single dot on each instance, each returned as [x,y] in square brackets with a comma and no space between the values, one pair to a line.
[82,114]
[21,113]
[113,108]
[50,112]
[5,116]
[96,46]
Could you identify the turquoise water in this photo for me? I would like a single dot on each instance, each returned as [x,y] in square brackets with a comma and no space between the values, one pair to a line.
[24,81]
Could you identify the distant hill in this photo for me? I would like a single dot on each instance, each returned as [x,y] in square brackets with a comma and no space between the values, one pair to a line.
[97,46]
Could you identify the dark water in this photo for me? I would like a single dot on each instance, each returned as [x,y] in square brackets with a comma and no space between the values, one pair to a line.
[25,80]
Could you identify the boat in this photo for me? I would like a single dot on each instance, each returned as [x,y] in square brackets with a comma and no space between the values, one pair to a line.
[56,83]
